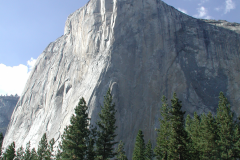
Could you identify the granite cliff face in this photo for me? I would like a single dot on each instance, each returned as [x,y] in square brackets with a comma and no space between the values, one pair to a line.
[7,105]
[142,50]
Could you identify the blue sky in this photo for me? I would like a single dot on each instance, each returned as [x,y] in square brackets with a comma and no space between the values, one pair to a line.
[28,26]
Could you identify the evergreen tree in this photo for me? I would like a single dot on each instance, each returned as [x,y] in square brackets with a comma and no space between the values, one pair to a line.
[20,154]
[236,141]
[43,152]
[148,151]
[27,153]
[34,155]
[59,151]
[107,127]
[139,148]
[188,128]
[10,152]
[178,138]
[226,127]
[51,144]
[162,148]
[91,153]
[120,152]
[74,139]
[193,128]
[208,145]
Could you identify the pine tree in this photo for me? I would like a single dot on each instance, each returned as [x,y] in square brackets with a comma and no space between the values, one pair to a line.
[74,139]
[139,148]
[43,151]
[20,154]
[51,144]
[10,152]
[188,127]
[148,151]
[34,155]
[59,151]
[193,128]
[120,152]
[27,153]
[91,154]
[225,123]
[179,138]
[236,141]
[208,145]
[162,148]
[106,129]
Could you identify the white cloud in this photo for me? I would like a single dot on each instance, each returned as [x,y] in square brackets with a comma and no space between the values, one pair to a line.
[31,63]
[182,10]
[13,79]
[229,6]
[202,13]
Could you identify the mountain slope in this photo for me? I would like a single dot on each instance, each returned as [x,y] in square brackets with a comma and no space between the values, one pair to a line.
[141,50]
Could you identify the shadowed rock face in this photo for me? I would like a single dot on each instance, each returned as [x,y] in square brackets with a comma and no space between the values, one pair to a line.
[141,50]
[7,104]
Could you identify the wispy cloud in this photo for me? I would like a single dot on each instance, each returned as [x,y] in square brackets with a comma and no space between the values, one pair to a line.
[202,13]
[182,10]
[229,5]
[217,8]
[202,2]
[13,78]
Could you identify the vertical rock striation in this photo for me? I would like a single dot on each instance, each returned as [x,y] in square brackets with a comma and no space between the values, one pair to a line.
[142,50]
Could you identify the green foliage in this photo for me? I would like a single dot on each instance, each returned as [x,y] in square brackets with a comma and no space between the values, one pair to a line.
[199,138]
[34,155]
[20,154]
[74,139]
[236,141]
[162,148]
[192,126]
[51,144]
[226,128]
[208,146]
[178,138]
[10,152]
[149,155]
[58,155]
[172,140]
[139,148]
[120,152]
[91,154]
[214,137]
[27,153]
[43,152]
[78,140]
[106,129]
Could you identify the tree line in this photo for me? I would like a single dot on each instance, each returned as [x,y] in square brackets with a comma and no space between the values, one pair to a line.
[204,136]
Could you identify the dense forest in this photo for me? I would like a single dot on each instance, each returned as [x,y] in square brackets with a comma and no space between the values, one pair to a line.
[204,136]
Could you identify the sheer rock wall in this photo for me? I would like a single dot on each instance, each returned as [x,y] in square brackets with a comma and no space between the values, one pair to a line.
[142,50]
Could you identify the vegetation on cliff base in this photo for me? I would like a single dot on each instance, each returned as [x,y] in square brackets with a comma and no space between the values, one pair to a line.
[74,138]
[106,129]
[204,136]
[120,152]
[139,148]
